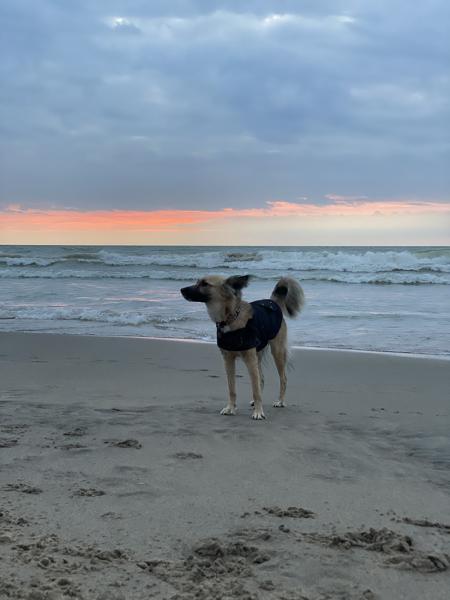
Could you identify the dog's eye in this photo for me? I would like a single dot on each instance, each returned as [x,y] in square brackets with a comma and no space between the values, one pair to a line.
[203,282]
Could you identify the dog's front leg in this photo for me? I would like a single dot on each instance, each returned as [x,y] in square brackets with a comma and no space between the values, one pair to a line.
[250,359]
[230,367]
[261,376]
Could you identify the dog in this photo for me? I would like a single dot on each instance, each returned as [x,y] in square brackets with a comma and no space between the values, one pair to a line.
[245,329]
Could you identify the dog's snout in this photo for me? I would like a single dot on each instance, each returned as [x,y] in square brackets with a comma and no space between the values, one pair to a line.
[193,294]
[189,292]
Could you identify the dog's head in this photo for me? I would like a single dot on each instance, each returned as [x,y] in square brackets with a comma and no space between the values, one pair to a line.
[215,289]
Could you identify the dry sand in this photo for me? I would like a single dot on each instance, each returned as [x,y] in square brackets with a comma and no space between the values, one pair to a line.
[120,480]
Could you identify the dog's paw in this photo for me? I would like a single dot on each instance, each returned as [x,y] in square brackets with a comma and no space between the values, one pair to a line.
[258,416]
[279,404]
[228,411]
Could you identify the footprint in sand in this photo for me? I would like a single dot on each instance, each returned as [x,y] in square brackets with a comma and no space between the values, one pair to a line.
[295,512]
[426,523]
[8,443]
[24,488]
[420,561]
[73,447]
[16,428]
[385,541]
[111,515]
[77,432]
[187,455]
[124,444]
[89,492]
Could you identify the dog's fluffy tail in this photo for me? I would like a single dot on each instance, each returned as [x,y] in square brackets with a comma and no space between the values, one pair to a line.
[288,294]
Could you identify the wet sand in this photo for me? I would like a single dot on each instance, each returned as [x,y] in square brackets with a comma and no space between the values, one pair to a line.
[120,480]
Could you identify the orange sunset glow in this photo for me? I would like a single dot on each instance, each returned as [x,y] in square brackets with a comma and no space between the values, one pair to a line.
[21,225]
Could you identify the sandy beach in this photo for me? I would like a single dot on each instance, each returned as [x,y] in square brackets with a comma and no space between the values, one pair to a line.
[120,480]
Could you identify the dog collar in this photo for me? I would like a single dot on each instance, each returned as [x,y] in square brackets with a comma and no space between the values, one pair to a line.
[222,324]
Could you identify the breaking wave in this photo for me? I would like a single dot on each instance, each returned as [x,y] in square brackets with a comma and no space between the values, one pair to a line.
[399,278]
[56,313]
[411,266]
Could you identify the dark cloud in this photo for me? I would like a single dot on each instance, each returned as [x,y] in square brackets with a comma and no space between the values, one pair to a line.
[191,103]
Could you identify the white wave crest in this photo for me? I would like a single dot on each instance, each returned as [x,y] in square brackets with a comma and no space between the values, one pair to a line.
[354,261]
[14,261]
[80,274]
[57,313]
[163,259]
[401,278]
[337,260]
[382,278]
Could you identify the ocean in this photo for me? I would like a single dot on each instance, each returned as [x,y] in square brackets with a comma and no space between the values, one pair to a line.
[384,299]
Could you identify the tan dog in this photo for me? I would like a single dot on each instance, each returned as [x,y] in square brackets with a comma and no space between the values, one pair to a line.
[245,329]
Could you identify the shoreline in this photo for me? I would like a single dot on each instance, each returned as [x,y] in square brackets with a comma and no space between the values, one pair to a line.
[443,357]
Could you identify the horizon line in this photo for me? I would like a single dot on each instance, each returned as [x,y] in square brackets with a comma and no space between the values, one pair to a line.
[245,245]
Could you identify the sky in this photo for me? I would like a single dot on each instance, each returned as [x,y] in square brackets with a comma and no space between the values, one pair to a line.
[244,122]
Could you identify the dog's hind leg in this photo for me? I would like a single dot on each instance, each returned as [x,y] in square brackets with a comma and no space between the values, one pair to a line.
[279,353]
[230,367]
[261,374]
[250,359]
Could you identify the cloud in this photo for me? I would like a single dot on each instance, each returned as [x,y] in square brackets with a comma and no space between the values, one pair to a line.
[123,25]
[144,105]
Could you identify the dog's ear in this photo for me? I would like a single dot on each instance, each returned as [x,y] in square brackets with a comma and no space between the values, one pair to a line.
[238,282]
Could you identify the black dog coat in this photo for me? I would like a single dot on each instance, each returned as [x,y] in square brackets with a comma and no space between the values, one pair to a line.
[260,329]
